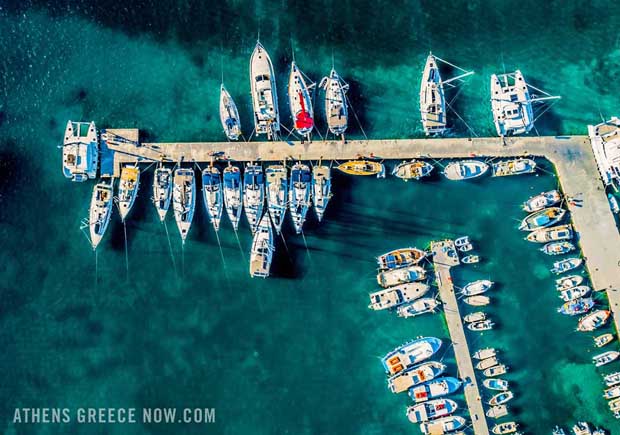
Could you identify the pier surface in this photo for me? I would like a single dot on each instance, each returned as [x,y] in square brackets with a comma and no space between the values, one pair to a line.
[445,257]
[571,155]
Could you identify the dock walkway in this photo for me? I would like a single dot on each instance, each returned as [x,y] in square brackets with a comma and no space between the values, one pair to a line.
[444,258]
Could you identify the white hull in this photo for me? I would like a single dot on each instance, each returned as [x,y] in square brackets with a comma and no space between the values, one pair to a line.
[229,115]
[162,191]
[212,194]
[233,195]
[336,109]
[321,189]
[276,181]
[262,249]
[128,187]
[465,170]
[299,194]
[100,212]
[80,152]
[264,93]
[511,105]
[605,141]
[253,195]
[184,200]
[432,99]
[300,102]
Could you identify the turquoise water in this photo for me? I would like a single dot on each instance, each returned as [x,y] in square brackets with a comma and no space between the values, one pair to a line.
[296,353]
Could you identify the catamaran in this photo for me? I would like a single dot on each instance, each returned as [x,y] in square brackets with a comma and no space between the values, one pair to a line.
[229,115]
[262,249]
[410,354]
[432,98]
[253,194]
[80,151]
[299,194]
[321,189]
[100,212]
[335,103]
[431,410]
[264,94]
[403,380]
[511,103]
[465,169]
[162,191]
[276,186]
[605,141]
[213,195]
[127,189]
[413,170]
[300,102]
[184,200]
[233,194]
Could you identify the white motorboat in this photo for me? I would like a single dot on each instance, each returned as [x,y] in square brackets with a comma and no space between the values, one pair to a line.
[392,277]
[394,296]
[417,307]
[410,354]
[605,141]
[477,287]
[485,353]
[513,167]
[542,200]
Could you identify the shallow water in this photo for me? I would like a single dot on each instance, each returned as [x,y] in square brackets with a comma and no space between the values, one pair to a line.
[296,353]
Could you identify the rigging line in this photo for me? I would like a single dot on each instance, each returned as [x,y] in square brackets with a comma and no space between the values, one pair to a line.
[183,259]
[544,111]
[462,120]
[450,64]
[96,269]
[355,114]
[126,252]
[217,236]
[174,264]
[239,244]
[306,244]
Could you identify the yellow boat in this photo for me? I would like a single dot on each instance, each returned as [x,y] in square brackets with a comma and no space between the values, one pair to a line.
[362,167]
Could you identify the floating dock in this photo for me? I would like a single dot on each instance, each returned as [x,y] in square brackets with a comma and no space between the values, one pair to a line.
[444,258]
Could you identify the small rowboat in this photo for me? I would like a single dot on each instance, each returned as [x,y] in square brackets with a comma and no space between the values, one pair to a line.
[485,353]
[501,398]
[470,259]
[495,384]
[603,339]
[538,202]
[487,363]
[558,248]
[568,282]
[495,371]
[612,379]
[477,301]
[465,170]
[505,428]
[497,411]
[593,321]
[478,316]
[413,170]
[362,167]
[612,393]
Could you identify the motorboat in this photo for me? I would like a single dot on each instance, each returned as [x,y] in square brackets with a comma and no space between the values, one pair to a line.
[495,384]
[321,189]
[558,248]
[412,170]
[594,320]
[184,199]
[442,425]
[612,379]
[400,258]
[402,275]
[573,293]
[465,170]
[336,109]
[612,393]
[566,265]
[436,388]
[392,297]
[497,411]
[229,115]
[568,282]
[497,370]
[552,234]
[577,306]
[162,191]
[233,194]
[477,287]
[485,325]
[505,428]
[276,188]
[417,307]
[542,219]
[513,167]
[100,212]
[80,151]
[603,339]
[542,200]
[362,167]
[462,241]
[470,259]
[127,190]
[213,195]
[485,353]
[477,301]
[501,398]
[299,194]
[410,354]
[477,316]
[264,94]
[253,194]
[263,248]
[486,363]
[431,410]
[425,372]
[466,248]
[300,102]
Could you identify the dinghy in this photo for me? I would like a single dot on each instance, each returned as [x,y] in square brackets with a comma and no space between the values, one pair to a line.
[80,151]
[594,320]
[413,170]
[477,287]
[417,307]
[229,115]
[410,354]
[262,249]
[495,384]
[513,167]
[321,189]
[300,102]
[478,316]
[465,170]
[568,282]
[100,212]
[501,398]
[542,200]
[485,325]
[495,371]
[566,265]
[335,103]
[362,167]
[162,191]
[573,293]
[442,425]
[603,339]
[578,306]
[213,195]
[127,190]
[485,353]
[400,258]
[264,94]
[392,277]
[544,235]
[184,200]
[613,203]
[557,248]
[299,194]
[505,428]
[276,186]
[394,296]
[605,358]
[413,376]
[487,363]
[434,389]
[253,194]
[470,259]
[233,195]
[542,219]
[431,410]
[497,411]
[477,301]
[462,241]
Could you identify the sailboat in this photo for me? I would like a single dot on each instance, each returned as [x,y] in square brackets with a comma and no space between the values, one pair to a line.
[321,189]
[162,191]
[299,194]
[213,195]
[233,194]
[511,103]
[184,199]
[100,212]
[276,182]
[229,115]
[300,102]
[128,189]
[80,151]
[336,109]
[253,194]
[264,94]
[262,249]
[432,98]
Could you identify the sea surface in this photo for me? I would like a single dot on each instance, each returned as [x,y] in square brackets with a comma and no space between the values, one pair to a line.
[296,353]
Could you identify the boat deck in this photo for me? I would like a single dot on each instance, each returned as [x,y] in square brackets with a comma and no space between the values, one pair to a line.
[443,262]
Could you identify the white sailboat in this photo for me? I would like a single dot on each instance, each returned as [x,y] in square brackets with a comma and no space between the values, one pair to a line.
[162,191]
[253,194]
[299,194]
[184,200]
[100,212]
[336,109]
[276,181]
[213,195]
[127,189]
[262,249]
[233,194]
[300,102]
[80,151]
[264,94]
[321,189]
[229,115]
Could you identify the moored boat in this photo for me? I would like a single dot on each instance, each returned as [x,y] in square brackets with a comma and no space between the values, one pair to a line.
[402,275]
[477,301]
[495,371]
[432,99]
[542,200]
[264,94]
[558,431]
[577,306]
[605,358]
[263,248]
[485,325]
[276,191]
[184,200]
[412,170]
[497,411]
[511,104]
[410,354]
[513,167]
[417,307]
[552,234]
[613,203]
[392,297]
[162,191]
[612,379]
[80,151]
[253,194]
[400,258]
[299,194]
[442,425]
[612,393]
[486,363]
[573,293]
[485,353]
[477,287]
[425,372]
[336,109]
[542,219]
[565,265]
[233,194]
[505,428]
[568,282]
[501,398]
[300,102]
[477,316]
[229,115]
[465,170]
[321,189]
[213,195]
[362,167]
[431,410]
[605,142]
[557,248]
[594,320]
[127,190]
[470,259]
[603,339]
[495,384]
[100,212]
[433,389]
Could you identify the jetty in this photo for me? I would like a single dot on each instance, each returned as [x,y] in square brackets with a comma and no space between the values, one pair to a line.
[444,258]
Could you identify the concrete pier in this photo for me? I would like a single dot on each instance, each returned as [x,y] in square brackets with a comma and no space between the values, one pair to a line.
[445,257]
